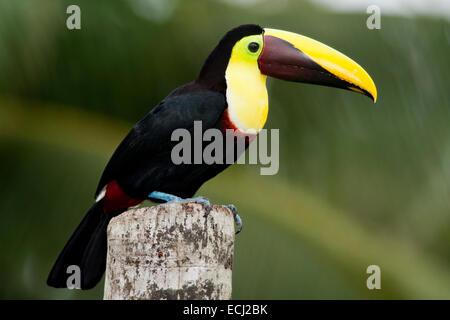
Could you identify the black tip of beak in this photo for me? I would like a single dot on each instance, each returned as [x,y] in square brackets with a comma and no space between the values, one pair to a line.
[363,91]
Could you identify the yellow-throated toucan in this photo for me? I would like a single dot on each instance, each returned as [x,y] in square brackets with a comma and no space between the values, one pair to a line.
[229,93]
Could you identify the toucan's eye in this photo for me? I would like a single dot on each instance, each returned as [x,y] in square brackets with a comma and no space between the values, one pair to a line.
[253,47]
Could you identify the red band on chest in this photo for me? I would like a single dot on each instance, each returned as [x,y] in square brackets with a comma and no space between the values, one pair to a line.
[226,123]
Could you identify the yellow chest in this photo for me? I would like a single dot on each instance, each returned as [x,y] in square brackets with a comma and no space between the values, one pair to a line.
[246,95]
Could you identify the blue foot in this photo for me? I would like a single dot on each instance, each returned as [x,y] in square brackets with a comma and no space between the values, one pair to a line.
[237,219]
[169,198]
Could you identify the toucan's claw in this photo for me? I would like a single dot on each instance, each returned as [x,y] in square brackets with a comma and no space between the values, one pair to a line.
[237,219]
[204,201]
[169,198]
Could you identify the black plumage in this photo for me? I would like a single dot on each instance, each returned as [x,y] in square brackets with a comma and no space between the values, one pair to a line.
[142,162]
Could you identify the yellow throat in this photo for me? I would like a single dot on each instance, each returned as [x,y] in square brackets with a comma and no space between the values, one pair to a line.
[246,88]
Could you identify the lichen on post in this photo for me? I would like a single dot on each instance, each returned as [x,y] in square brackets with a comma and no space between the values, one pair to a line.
[170,251]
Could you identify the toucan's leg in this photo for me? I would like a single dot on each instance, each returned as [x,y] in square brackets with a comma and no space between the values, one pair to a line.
[237,219]
[171,198]
[164,196]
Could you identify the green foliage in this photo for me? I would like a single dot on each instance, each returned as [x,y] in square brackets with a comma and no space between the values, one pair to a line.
[359,184]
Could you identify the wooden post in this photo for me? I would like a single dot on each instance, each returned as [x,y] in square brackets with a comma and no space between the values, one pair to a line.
[170,251]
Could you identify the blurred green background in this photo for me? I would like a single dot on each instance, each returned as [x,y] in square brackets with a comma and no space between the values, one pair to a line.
[359,184]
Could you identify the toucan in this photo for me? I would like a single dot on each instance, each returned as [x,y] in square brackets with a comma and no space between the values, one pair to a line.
[229,93]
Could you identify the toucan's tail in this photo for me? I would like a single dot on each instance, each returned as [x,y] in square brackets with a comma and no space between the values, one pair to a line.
[86,249]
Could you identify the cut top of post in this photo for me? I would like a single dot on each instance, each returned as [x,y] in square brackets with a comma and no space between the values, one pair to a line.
[170,251]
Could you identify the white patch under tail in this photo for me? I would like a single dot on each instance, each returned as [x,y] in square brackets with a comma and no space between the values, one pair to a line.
[101,195]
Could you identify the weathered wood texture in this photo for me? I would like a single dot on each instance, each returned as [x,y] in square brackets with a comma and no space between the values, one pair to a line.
[170,251]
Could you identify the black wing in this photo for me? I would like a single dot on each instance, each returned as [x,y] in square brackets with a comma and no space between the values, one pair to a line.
[151,136]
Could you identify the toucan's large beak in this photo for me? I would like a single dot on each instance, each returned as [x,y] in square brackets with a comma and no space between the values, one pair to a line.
[290,56]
